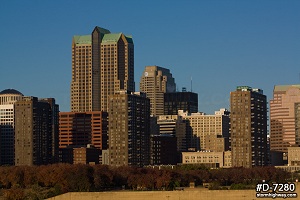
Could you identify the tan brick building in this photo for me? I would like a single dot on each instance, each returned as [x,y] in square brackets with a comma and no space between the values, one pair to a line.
[102,63]
[156,81]
[248,120]
[129,129]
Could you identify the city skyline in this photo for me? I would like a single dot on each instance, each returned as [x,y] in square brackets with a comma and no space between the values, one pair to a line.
[219,45]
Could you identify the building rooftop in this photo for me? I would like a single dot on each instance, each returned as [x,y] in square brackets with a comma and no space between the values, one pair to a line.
[278,88]
[114,37]
[82,39]
[11,91]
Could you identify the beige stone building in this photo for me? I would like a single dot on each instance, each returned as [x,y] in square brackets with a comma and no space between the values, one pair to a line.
[102,63]
[156,81]
[285,117]
[293,156]
[209,158]
[204,125]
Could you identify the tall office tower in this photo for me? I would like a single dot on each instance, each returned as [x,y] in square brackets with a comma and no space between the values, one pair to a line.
[186,101]
[83,128]
[203,125]
[129,129]
[55,125]
[7,143]
[156,81]
[102,63]
[248,120]
[284,117]
[33,132]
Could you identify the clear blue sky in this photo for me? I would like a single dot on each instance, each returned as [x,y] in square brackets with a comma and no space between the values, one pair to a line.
[219,43]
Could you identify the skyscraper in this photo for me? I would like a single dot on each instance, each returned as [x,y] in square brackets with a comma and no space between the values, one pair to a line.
[129,129]
[284,117]
[7,120]
[248,120]
[102,63]
[156,81]
[33,132]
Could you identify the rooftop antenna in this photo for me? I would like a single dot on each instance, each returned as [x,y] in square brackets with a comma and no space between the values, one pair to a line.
[191,84]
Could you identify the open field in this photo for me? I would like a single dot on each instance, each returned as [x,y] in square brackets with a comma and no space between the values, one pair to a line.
[188,194]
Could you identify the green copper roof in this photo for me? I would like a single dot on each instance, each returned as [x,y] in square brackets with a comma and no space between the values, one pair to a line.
[114,37]
[82,39]
[282,88]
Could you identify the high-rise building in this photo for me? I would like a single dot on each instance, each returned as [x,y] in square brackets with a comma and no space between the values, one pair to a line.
[78,129]
[284,118]
[7,120]
[129,129]
[102,63]
[203,125]
[33,132]
[248,120]
[55,127]
[186,101]
[155,82]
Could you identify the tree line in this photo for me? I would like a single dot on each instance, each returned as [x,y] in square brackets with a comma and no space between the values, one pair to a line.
[39,182]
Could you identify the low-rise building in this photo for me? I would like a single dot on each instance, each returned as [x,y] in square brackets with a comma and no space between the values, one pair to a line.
[208,158]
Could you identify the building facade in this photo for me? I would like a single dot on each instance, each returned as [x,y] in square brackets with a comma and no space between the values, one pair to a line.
[174,125]
[86,155]
[208,158]
[129,129]
[163,149]
[175,101]
[155,82]
[102,63]
[7,121]
[33,132]
[203,125]
[284,117]
[248,120]
[77,129]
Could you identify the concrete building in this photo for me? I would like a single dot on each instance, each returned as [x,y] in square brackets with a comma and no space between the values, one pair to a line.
[155,82]
[248,119]
[102,63]
[129,129]
[83,128]
[284,118]
[86,155]
[175,101]
[203,125]
[294,156]
[208,158]
[7,121]
[216,143]
[33,132]
[163,149]
[175,125]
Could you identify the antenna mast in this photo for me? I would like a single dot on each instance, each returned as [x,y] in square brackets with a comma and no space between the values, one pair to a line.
[191,84]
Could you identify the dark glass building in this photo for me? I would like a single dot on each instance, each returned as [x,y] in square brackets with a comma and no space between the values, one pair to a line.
[186,101]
